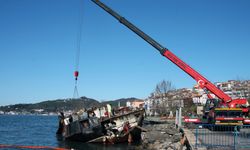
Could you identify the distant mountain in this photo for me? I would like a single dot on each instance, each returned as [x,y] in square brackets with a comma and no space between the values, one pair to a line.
[53,105]
[63,105]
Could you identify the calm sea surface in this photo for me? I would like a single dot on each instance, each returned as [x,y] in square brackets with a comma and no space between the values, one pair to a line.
[31,130]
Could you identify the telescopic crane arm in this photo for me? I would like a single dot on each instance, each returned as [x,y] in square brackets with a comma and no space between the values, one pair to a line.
[202,81]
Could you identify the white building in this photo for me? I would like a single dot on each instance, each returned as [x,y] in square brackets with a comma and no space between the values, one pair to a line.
[135,104]
[1,112]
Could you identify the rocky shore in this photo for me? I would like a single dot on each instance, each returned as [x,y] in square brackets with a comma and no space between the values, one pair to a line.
[163,135]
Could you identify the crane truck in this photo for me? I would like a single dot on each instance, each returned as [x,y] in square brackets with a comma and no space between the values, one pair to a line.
[222,110]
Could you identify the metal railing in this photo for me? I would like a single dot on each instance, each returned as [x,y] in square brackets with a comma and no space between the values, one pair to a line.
[243,137]
[222,137]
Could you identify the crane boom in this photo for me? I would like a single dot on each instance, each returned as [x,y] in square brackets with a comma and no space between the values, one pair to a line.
[202,81]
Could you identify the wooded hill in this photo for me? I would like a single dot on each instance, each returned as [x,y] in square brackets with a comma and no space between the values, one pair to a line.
[63,104]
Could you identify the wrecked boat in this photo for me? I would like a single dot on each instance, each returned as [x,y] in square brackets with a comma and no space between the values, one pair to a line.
[123,126]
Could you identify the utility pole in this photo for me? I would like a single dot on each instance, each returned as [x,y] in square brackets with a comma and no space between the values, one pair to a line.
[176,117]
[180,118]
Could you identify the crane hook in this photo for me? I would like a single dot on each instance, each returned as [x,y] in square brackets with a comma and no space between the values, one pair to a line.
[76,73]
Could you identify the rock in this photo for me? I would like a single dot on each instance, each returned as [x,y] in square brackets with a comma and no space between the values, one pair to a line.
[151,147]
[177,145]
[176,138]
[161,136]
[157,142]
[170,148]
[163,141]
[145,142]
[171,131]
[151,141]
[157,146]
[166,145]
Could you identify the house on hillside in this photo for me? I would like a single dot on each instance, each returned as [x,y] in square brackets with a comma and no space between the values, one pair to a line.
[135,104]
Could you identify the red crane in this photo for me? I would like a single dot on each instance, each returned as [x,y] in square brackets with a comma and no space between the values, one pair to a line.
[205,84]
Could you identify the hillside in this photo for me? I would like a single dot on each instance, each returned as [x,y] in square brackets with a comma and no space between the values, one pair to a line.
[61,104]
[53,105]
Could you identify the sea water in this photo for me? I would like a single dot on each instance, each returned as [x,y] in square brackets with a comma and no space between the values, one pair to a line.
[37,130]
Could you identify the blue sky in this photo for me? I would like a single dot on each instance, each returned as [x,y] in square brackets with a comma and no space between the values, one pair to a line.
[38,45]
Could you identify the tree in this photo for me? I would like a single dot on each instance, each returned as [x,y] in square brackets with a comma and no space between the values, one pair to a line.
[163,87]
[161,97]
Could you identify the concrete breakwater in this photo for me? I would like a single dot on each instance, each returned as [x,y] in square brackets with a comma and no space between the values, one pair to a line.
[163,135]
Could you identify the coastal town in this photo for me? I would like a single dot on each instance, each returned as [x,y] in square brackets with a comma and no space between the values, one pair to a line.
[161,112]
[155,104]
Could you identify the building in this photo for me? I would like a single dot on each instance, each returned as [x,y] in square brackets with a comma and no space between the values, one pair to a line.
[135,104]
[233,88]
[161,103]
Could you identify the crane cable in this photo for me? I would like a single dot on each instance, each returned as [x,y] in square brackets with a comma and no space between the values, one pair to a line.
[78,49]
